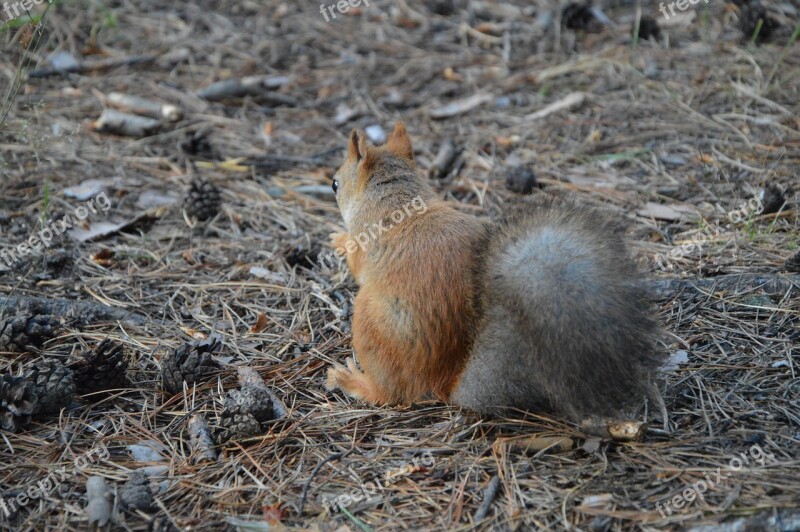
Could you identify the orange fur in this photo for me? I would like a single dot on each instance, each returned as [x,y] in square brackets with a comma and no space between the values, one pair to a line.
[414,313]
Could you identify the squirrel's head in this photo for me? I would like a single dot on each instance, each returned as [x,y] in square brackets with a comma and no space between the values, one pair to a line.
[376,179]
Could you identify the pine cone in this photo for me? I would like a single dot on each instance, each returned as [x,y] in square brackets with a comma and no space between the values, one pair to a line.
[648,28]
[521,179]
[54,386]
[579,16]
[191,362]
[17,402]
[203,200]
[26,332]
[244,412]
[236,427]
[135,494]
[102,368]
[793,263]
[749,15]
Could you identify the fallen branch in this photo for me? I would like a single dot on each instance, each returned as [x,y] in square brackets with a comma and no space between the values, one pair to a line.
[241,87]
[78,312]
[568,103]
[144,107]
[771,284]
[127,125]
[86,67]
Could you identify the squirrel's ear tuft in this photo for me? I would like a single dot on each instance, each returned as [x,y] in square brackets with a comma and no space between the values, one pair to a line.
[399,143]
[358,145]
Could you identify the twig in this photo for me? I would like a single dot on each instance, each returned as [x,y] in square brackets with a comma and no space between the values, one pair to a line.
[334,456]
[489,495]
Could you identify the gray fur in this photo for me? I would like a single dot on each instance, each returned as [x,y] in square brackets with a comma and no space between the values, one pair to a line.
[565,324]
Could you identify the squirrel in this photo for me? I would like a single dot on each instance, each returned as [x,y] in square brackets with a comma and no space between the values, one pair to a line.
[539,310]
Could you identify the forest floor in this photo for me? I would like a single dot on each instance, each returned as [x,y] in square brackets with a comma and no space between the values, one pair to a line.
[691,138]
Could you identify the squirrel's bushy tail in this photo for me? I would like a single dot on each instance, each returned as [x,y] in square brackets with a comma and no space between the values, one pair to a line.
[566,324]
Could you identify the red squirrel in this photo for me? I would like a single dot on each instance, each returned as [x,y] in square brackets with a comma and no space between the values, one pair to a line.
[540,310]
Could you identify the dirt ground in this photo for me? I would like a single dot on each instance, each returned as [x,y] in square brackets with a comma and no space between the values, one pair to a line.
[691,138]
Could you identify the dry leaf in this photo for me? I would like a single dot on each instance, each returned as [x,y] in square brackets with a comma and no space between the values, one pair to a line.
[261,324]
[194,333]
[273,514]
[103,257]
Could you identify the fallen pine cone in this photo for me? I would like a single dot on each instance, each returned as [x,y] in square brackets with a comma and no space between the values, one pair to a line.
[17,402]
[203,200]
[751,16]
[101,369]
[244,412]
[135,494]
[579,16]
[27,332]
[191,362]
[54,386]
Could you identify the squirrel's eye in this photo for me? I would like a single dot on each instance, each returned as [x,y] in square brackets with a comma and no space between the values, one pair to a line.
[335,185]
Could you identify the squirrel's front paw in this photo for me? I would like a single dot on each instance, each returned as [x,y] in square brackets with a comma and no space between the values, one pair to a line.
[339,240]
[351,381]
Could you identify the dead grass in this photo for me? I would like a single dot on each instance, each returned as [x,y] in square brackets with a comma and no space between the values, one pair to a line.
[704,121]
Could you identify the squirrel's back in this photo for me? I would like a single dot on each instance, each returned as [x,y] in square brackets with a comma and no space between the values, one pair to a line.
[565,324]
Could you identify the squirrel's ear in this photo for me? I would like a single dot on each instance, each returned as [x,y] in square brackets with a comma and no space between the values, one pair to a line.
[399,143]
[358,145]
